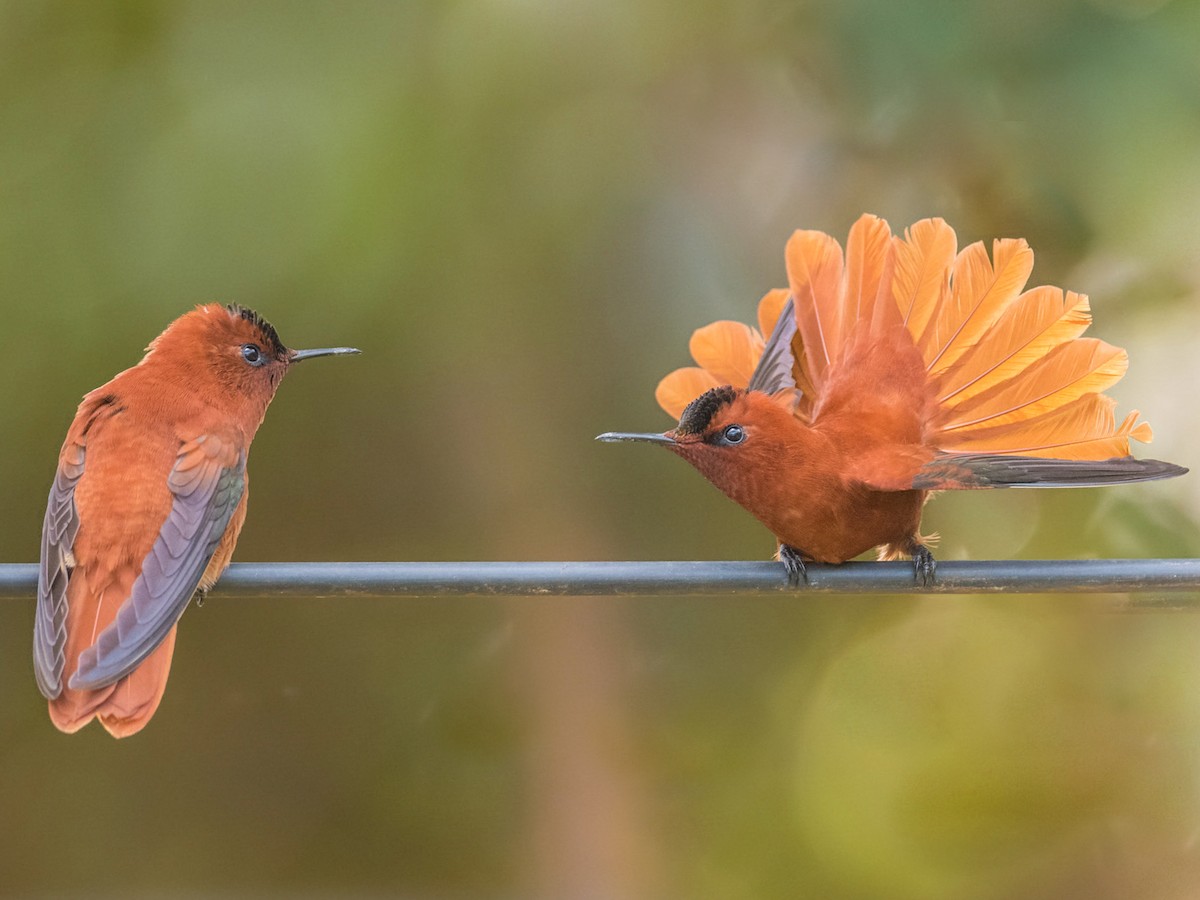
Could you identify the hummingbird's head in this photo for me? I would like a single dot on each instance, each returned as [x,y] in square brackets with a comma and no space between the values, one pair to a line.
[737,439]
[234,348]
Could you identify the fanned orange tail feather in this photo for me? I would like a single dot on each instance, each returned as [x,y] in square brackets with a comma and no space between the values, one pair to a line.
[1007,368]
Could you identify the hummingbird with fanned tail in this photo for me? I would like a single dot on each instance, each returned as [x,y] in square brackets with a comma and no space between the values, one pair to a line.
[898,368]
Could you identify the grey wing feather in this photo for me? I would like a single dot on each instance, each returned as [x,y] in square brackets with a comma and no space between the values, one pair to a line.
[969,470]
[206,497]
[54,572]
[774,370]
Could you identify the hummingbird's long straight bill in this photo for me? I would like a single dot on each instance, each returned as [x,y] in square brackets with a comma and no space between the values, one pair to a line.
[612,437]
[298,355]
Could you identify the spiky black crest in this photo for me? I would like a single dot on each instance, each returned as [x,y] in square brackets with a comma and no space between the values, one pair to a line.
[700,411]
[270,335]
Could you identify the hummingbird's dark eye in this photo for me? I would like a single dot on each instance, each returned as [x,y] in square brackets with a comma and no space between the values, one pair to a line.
[252,355]
[733,434]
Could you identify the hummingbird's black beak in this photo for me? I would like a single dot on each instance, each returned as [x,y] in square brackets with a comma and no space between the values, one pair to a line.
[297,355]
[612,437]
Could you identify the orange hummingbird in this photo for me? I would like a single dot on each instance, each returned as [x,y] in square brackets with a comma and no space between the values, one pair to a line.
[900,368]
[145,509]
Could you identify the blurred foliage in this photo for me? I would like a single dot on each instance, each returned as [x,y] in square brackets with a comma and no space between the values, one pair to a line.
[519,211]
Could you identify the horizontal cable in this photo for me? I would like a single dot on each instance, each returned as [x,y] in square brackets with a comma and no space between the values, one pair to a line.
[464,579]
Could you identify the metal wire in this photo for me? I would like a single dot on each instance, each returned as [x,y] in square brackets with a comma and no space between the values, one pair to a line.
[466,579]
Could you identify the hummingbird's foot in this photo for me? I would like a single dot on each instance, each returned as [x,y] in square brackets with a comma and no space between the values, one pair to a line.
[201,595]
[924,565]
[793,562]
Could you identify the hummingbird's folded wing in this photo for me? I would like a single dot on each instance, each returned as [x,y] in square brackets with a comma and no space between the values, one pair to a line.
[981,470]
[57,562]
[907,469]
[206,483]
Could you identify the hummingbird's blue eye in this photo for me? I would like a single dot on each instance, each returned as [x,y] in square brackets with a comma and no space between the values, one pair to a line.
[252,355]
[733,434]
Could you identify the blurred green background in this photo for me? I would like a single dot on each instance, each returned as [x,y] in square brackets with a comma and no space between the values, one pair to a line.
[520,211]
